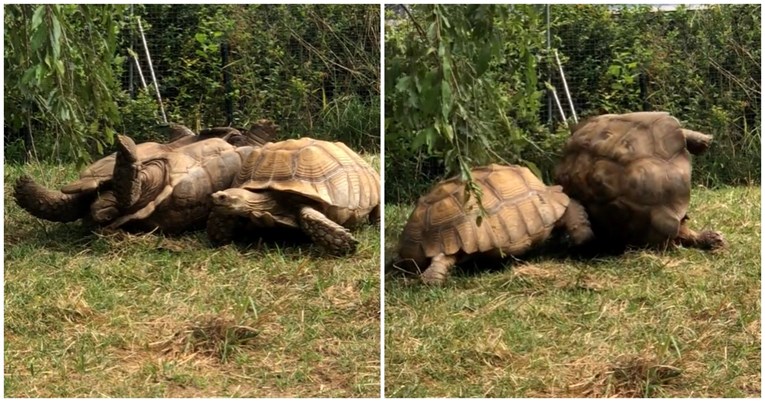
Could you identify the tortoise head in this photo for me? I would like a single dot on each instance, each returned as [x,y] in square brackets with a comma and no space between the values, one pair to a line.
[239,201]
[104,209]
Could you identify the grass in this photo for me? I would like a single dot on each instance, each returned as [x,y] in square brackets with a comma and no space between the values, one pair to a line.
[678,323]
[148,315]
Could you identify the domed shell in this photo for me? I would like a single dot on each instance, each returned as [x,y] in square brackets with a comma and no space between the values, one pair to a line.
[521,211]
[327,172]
[632,172]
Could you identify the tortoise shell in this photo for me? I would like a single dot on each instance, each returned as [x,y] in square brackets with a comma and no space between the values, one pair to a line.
[521,212]
[632,172]
[329,173]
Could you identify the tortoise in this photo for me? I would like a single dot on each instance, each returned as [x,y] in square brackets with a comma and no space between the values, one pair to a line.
[520,213]
[632,173]
[101,192]
[322,188]
[170,191]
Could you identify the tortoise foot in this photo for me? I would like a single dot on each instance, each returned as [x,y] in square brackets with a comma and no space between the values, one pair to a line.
[330,235]
[705,240]
[712,240]
[436,273]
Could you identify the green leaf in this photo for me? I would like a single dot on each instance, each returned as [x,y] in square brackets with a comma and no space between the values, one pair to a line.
[38,39]
[28,78]
[403,84]
[55,38]
[59,67]
[432,32]
[201,38]
[425,136]
[484,56]
[37,17]
[446,100]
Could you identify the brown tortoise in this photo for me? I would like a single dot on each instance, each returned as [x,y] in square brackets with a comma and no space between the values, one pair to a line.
[632,172]
[320,187]
[150,185]
[521,212]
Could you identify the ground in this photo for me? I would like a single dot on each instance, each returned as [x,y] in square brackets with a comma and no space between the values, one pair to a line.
[146,315]
[676,323]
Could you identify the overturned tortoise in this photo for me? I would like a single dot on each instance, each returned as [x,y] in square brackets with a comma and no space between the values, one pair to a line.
[148,185]
[322,188]
[521,213]
[632,172]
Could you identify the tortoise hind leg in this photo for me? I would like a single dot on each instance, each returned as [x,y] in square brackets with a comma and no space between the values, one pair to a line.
[575,221]
[705,240]
[438,270]
[50,205]
[696,142]
[127,183]
[330,235]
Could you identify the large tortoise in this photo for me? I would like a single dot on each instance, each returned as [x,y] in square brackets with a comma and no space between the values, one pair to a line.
[130,184]
[520,213]
[632,172]
[322,188]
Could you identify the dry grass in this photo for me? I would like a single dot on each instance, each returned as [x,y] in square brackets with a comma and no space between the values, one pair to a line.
[678,323]
[146,315]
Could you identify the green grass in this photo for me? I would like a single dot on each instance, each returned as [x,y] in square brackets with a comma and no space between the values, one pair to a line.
[679,323]
[148,315]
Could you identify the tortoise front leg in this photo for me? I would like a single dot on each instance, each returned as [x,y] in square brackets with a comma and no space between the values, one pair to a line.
[438,270]
[221,227]
[575,221]
[705,240]
[328,234]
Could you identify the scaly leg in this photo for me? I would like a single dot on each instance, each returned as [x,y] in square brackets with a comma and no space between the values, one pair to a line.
[221,227]
[438,270]
[705,240]
[330,235]
[696,142]
[127,167]
[575,221]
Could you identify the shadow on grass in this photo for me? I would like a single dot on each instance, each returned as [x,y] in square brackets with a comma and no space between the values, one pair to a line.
[556,252]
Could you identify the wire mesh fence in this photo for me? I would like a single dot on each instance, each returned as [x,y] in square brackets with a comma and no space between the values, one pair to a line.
[312,68]
[700,63]
[689,60]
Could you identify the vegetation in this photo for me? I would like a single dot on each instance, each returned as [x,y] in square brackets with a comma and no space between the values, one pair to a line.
[678,323]
[60,79]
[466,85]
[314,69]
[120,315]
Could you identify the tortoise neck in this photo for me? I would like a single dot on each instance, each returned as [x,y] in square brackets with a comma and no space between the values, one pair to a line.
[263,200]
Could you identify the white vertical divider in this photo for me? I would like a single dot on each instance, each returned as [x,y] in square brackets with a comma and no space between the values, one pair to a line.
[382,200]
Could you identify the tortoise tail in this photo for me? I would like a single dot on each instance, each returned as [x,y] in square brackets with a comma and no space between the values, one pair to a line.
[50,205]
